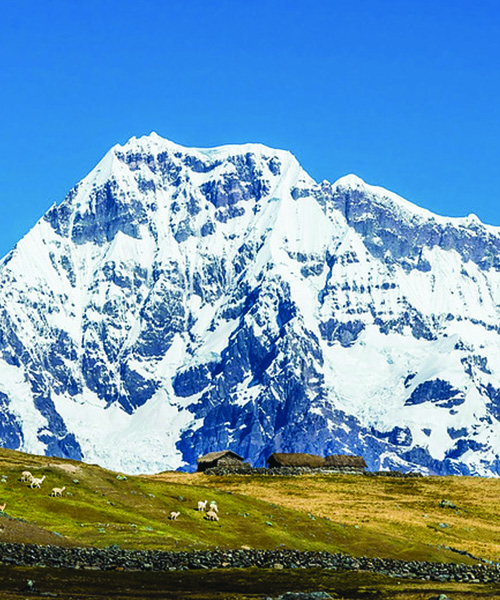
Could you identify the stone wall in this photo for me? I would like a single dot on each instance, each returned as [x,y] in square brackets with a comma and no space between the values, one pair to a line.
[392,474]
[290,471]
[276,471]
[115,558]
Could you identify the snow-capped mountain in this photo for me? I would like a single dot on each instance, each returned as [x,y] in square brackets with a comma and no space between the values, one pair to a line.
[180,301]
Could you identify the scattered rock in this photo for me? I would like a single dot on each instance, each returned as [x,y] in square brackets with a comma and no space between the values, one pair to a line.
[447,504]
[30,587]
[305,596]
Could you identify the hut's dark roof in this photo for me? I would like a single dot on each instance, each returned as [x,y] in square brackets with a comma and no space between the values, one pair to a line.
[345,460]
[296,459]
[211,456]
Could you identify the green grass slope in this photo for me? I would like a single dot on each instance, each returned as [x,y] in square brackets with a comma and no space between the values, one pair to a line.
[100,508]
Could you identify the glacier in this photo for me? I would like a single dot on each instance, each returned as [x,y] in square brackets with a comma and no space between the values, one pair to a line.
[180,301]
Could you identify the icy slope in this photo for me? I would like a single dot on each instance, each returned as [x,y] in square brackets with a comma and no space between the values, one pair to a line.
[180,301]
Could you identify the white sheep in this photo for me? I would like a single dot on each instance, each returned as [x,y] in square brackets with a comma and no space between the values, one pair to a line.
[35,482]
[213,507]
[202,505]
[211,516]
[26,476]
[57,491]
[173,515]
[2,506]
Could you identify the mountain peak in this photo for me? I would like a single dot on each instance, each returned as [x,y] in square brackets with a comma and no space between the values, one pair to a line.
[153,142]
[183,299]
[150,142]
[350,181]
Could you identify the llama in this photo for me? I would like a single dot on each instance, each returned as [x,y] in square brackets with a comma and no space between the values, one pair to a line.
[2,506]
[57,491]
[26,476]
[36,483]
[202,505]
[173,516]
[211,516]
[213,507]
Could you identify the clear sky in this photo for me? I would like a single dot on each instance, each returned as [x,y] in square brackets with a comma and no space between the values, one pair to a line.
[404,93]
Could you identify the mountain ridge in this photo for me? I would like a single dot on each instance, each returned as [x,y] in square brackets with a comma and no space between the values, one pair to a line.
[183,300]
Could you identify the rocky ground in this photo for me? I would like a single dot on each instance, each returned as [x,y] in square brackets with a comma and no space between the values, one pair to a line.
[22,583]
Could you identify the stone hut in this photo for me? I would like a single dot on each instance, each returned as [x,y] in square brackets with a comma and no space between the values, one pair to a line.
[294,459]
[224,458]
[345,462]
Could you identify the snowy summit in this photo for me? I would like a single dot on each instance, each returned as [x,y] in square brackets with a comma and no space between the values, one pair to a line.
[181,301]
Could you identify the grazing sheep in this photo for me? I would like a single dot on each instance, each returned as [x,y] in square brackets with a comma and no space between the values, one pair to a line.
[57,491]
[36,483]
[202,506]
[173,516]
[211,516]
[213,507]
[26,476]
[2,506]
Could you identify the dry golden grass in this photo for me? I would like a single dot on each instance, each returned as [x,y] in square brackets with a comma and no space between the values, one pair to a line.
[377,516]
[403,508]
[100,508]
[374,516]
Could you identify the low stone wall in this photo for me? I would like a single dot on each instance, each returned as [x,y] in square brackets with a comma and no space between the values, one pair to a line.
[290,471]
[237,470]
[392,474]
[114,558]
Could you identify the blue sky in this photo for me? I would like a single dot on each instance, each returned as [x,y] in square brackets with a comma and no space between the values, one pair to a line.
[404,93]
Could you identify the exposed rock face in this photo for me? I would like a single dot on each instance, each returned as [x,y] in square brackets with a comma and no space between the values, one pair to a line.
[181,301]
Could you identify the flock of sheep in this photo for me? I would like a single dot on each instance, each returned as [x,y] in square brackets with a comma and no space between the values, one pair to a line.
[212,512]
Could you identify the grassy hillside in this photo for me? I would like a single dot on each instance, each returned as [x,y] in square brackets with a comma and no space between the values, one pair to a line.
[461,512]
[353,514]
